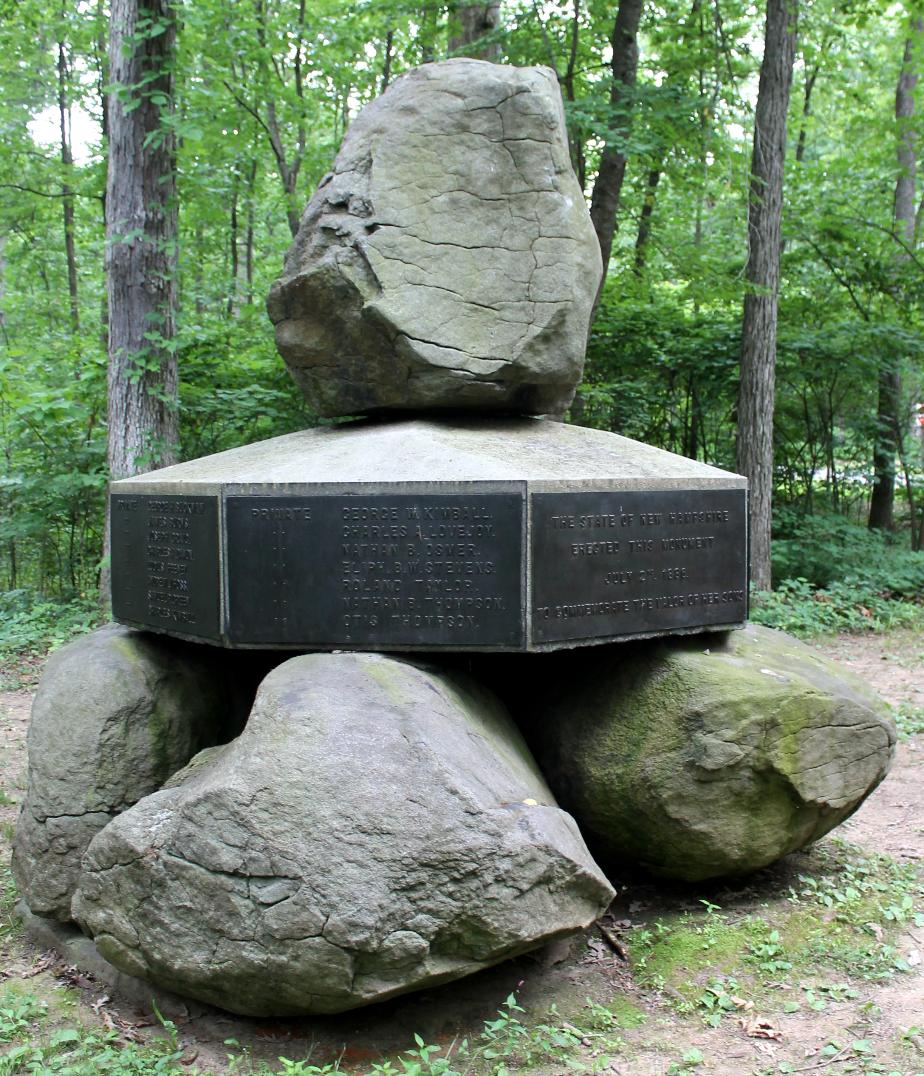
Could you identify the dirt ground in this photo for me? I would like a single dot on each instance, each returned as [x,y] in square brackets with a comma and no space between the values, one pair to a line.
[875,1026]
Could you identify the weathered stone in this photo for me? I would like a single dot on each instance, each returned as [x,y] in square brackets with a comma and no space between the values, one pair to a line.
[448,260]
[709,755]
[451,533]
[116,713]
[376,828]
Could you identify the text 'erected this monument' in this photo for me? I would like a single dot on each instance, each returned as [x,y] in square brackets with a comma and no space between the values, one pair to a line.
[442,283]
[281,837]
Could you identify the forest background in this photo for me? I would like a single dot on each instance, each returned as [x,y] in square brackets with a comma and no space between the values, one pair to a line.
[257,98]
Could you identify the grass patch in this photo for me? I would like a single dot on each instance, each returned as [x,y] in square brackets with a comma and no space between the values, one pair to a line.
[676,953]
[854,908]
[625,1015]
[9,923]
[909,720]
[31,625]
[837,927]
[29,1042]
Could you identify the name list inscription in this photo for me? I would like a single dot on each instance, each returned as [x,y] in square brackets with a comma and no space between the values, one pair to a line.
[376,569]
[628,563]
[165,562]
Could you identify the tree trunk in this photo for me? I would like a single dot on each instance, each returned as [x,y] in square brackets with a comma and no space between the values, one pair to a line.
[806,112]
[644,223]
[233,292]
[248,241]
[102,83]
[288,165]
[469,24]
[604,202]
[427,20]
[575,141]
[67,192]
[3,333]
[141,219]
[762,275]
[888,409]
[386,62]
[888,402]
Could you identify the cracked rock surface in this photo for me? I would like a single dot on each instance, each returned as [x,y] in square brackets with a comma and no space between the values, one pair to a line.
[448,260]
[708,755]
[377,827]
[116,713]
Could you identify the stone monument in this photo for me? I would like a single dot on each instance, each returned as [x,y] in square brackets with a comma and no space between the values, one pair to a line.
[380,823]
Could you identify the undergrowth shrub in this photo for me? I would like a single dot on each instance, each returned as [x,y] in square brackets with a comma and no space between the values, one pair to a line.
[805,610]
[833,575]
[31,624]
[824,549]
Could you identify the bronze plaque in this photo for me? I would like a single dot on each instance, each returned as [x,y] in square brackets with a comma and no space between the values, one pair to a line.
[614,564]
[376,570]
[165,564]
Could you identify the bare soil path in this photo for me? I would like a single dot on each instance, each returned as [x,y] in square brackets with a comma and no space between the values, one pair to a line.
[814,965]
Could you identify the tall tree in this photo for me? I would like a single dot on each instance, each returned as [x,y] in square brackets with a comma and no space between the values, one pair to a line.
[141,235]
[604,202]
[67,192]
[469,24]
[888,436]
[762,276]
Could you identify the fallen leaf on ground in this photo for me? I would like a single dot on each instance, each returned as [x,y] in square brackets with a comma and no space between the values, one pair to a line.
[41,965]
[758,1027]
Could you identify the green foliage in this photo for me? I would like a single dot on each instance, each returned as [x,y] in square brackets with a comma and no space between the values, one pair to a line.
[909,719]
[832,575]
[26,1047]
[825,547]
[662,374]
[864,901]
[8,897]
[508,1043]
[806,611]
[839,927]
[30,624]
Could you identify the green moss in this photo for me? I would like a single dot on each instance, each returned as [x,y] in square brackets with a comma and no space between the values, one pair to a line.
[392,678]
[627,1015]
[159,734]
[675,953]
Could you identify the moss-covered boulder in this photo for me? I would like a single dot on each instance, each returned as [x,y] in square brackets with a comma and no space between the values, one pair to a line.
[116,713]
[708,755]
[378,827]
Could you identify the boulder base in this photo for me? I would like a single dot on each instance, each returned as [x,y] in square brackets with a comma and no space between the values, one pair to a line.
[711,755]
[376,828]
[448,260]
[116,713]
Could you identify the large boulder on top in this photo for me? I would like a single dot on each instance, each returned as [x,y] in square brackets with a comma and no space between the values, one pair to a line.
[376,828]
[116,713]
[708,755]
[448,260]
